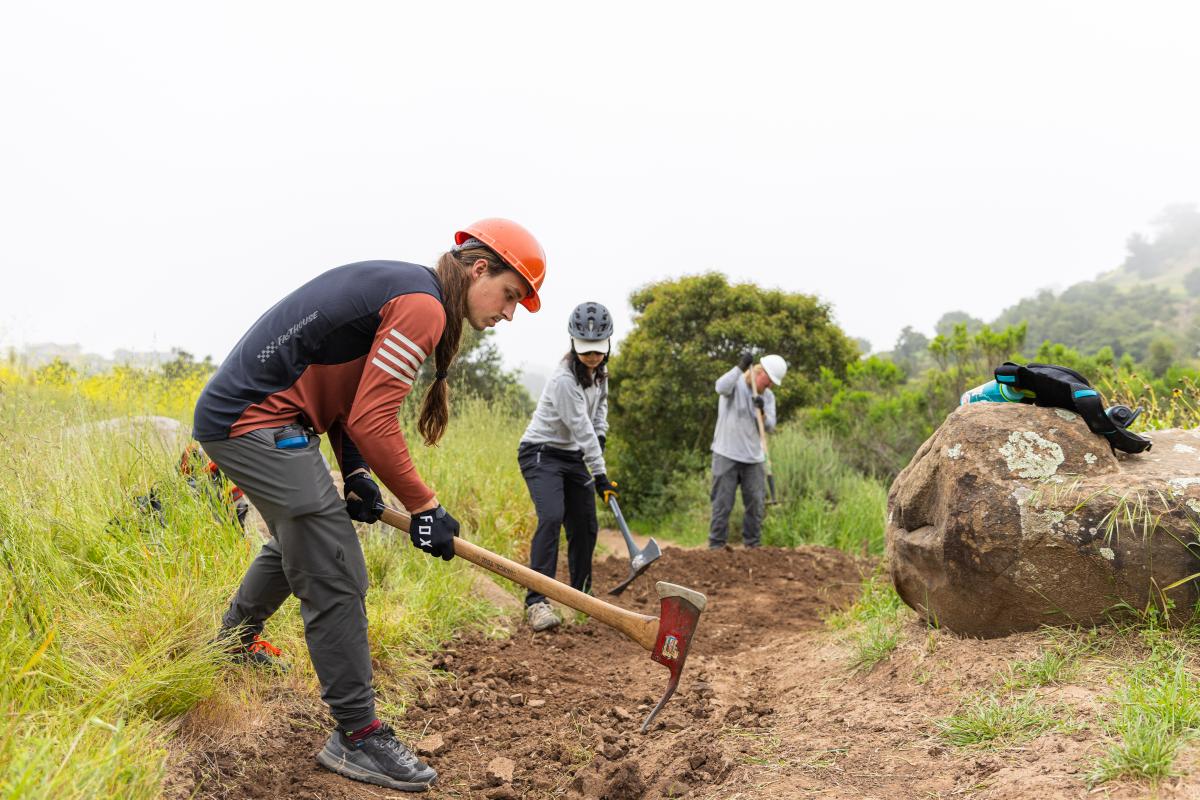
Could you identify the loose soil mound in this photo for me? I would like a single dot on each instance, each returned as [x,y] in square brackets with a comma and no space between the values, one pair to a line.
[768,708]
[558,713]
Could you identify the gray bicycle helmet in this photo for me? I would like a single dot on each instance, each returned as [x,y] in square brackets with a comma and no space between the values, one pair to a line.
[590,322]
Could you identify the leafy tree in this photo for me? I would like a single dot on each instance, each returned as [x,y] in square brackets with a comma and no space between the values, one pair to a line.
[1058,353]
[951,319]
[877,422]
[1162,353]
[1141,259]
[184,365]
[1191,282]
[478,371]
[1091,315]
[687,332]
[911,352]
[963,358]
[996,347]
[1177,237]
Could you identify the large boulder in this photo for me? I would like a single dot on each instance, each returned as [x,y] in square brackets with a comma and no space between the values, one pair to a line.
[1012,516]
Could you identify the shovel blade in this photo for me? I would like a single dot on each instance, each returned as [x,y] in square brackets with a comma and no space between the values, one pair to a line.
[639,562]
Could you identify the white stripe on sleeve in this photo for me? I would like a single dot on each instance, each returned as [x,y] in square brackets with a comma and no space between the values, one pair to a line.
[399,348]
[390,371]
[405,368]
[411,344]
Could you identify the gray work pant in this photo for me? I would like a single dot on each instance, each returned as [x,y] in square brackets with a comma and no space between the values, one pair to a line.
[314,554]
[727,474]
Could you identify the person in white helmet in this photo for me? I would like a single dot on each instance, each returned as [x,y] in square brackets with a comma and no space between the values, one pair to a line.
[737,448]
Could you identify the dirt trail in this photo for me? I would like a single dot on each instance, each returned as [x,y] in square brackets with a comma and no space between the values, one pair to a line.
[767,708]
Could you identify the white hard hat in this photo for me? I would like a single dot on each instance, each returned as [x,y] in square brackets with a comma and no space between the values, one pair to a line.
[775,368]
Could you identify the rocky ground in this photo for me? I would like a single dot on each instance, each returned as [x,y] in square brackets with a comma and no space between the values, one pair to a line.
[767,708]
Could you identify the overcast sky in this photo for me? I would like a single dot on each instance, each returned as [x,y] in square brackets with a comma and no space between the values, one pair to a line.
[170,170]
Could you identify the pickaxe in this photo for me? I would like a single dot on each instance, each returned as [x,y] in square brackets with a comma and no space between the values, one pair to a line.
[668,636]
[639,560]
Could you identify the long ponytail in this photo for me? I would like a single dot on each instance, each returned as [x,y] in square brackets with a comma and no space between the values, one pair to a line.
[454,276]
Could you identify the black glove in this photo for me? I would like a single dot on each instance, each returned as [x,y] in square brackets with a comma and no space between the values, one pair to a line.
[605,488]
[745,360]
[433,531]
[602,439]
[367,504]
[758,401]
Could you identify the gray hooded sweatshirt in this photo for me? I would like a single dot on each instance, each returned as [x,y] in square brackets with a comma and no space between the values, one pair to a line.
[570,417]
[736,436]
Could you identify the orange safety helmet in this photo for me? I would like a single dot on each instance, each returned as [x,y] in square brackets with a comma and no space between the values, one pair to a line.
[516,246]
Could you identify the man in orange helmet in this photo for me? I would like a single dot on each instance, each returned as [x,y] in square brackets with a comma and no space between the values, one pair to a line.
[339,356]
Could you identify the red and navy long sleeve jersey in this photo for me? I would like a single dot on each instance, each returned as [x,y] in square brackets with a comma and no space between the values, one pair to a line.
[340,353]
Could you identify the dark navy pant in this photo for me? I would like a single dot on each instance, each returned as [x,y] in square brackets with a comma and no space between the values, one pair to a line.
[564,495]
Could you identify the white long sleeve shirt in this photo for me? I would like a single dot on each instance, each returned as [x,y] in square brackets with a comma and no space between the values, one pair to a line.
[570,417]
[736,435]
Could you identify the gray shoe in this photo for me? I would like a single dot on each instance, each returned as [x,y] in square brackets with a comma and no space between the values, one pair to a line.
[379,759]
[541,616]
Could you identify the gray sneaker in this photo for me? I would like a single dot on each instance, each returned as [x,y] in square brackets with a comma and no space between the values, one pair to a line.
[380,759]
[541,617]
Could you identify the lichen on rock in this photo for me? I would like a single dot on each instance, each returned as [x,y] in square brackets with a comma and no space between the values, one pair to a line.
[1031,456]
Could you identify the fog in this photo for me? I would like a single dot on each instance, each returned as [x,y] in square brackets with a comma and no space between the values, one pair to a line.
[170,171]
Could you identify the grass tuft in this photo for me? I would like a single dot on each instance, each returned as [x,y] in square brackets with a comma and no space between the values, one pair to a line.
[993,721]
[872,626]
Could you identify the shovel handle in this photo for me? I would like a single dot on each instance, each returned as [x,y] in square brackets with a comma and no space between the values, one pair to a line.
[616,510]
[762,431]
[640,628]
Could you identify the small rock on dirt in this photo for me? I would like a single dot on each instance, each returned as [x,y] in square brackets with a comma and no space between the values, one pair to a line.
[677,789]
[625,783]
[500,770]
[505,792]
[431,745]
[613,752]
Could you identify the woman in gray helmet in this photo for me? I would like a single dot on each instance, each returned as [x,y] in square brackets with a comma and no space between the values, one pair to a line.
[561,456]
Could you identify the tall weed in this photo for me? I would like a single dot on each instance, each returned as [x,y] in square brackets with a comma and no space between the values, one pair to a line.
[822,500]
[109,605]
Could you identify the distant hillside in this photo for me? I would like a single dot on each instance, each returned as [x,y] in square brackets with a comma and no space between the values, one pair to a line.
[1153,294]
[42,353]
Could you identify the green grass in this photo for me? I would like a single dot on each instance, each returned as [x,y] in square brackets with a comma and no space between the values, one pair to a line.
[107,613]
[822,500]
[1156,708]
[996,721]
[873,625]
[1057,664]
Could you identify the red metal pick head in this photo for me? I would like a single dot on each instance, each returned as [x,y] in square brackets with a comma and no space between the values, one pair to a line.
[677,620]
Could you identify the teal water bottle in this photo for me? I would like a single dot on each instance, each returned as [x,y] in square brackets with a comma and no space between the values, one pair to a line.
[993,392]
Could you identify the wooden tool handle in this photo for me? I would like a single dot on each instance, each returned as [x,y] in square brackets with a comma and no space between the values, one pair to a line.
[758,417]
[640,628]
